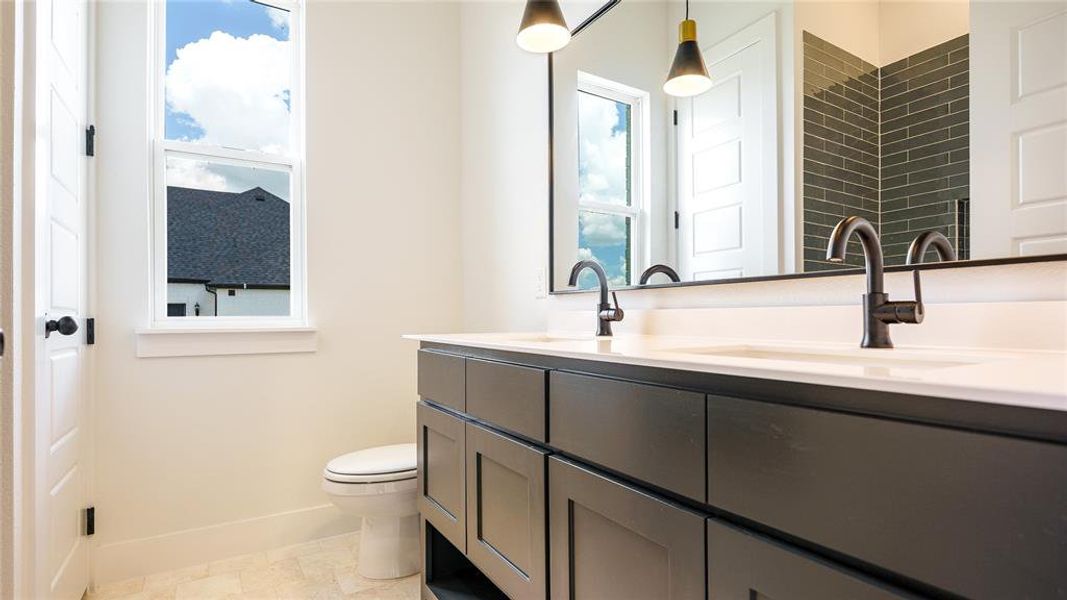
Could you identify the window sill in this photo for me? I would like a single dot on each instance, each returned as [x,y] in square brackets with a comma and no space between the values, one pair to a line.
[158,342]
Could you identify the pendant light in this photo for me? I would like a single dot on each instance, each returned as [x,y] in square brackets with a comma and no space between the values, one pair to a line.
[688,75]
[543,29]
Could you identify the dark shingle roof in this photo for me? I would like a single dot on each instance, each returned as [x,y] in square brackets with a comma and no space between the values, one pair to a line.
[236,238]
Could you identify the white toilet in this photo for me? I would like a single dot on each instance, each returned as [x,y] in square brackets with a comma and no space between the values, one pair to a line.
[379,485]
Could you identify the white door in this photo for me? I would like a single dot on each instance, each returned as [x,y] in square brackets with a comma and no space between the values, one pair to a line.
[1018,128]
[59,472]
[727,162]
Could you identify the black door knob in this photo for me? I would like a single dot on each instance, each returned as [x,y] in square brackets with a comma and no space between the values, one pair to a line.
[65,326]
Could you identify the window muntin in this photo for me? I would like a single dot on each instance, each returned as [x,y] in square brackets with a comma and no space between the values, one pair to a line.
[228,200]
[612,171]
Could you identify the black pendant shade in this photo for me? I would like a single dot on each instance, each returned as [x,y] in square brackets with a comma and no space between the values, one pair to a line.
[688,75]
[543,28]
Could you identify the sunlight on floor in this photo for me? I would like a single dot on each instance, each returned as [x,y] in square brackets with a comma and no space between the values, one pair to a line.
[320,570]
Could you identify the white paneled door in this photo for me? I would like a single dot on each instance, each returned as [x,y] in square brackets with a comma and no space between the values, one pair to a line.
[60,547]
[727,162]
[1019,122]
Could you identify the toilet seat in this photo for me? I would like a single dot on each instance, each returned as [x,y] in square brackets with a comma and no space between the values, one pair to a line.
[373,465]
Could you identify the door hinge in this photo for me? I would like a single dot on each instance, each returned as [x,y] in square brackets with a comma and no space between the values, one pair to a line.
[676,217]
[90,520]
[90,331]
[676,118]
[90,140]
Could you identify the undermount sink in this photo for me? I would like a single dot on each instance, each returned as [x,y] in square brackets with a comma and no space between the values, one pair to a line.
[890,359]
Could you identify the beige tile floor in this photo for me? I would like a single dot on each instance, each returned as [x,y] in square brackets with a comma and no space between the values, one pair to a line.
[319,570]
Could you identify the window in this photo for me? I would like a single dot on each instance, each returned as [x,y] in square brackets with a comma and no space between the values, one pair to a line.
[612,174]
[228,152]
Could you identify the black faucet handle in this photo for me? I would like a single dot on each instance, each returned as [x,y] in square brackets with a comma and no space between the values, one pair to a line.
[612,313]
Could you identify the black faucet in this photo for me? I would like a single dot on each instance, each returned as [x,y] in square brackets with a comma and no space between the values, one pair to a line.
[605,313]
[918,249]
[669,272]
[878,311]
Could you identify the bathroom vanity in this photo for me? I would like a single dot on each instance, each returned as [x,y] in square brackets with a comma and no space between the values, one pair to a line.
[600,468]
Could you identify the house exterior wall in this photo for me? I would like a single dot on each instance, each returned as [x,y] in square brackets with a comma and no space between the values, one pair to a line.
[252,302]
[243,302]
[191,294]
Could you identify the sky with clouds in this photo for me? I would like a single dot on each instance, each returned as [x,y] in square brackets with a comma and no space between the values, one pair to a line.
[603,178]
[227,83]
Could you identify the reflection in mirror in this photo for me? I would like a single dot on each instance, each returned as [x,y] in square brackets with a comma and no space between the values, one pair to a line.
[920,116]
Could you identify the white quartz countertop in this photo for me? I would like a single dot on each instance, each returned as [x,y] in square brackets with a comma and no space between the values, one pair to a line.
[1024,378]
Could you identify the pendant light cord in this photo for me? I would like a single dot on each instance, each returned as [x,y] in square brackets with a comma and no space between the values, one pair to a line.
[686,10]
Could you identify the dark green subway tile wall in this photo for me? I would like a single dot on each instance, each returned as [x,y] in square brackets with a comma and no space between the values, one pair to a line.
[889,144]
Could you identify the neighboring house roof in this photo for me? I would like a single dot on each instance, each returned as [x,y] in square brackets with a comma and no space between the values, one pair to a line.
[227,239]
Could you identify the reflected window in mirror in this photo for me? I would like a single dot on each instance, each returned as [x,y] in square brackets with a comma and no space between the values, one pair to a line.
[611,133]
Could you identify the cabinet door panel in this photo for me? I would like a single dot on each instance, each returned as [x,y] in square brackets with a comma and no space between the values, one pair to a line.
[509,396]
[952,509]
[653,434]
[743,566]
[506,512]
[441,472]
[442,379]
[609,540]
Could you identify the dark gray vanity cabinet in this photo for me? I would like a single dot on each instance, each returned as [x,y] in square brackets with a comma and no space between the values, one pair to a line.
[650,433]
[579,480]
[441,479]
[743,566]
[506,518]
[610,540]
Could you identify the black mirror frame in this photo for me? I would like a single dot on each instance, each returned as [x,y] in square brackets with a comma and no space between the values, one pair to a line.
[755,279]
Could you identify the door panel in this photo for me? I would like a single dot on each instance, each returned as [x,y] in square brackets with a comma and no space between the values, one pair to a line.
[727,148]
[506,512]
[1019,119]
[609,540]
[743,566]
[61,478]
[441,473]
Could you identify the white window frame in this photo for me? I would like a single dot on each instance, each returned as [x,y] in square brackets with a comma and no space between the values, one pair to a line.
[640,165]
[291,163]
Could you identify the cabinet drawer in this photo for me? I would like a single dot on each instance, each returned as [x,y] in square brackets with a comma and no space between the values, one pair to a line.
[442,379]
[742,565]
[945,507]
[506,512]
[650,433]
[508,396]
[609,540]
[441,472]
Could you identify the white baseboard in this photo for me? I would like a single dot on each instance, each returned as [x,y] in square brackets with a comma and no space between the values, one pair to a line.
[134,558]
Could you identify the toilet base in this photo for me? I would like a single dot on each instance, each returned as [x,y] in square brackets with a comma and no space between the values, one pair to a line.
[389,547]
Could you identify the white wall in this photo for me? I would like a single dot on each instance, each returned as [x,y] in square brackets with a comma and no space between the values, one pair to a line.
[206,457]
[504,182]
[907,27]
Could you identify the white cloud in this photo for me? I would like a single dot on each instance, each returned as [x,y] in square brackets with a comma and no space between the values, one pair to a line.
[602,170]
[599,229]
[278,18]
[235,89]
[195,174]
[200,175]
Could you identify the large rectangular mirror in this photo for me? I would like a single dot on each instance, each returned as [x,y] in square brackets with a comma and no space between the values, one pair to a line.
[917,115]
